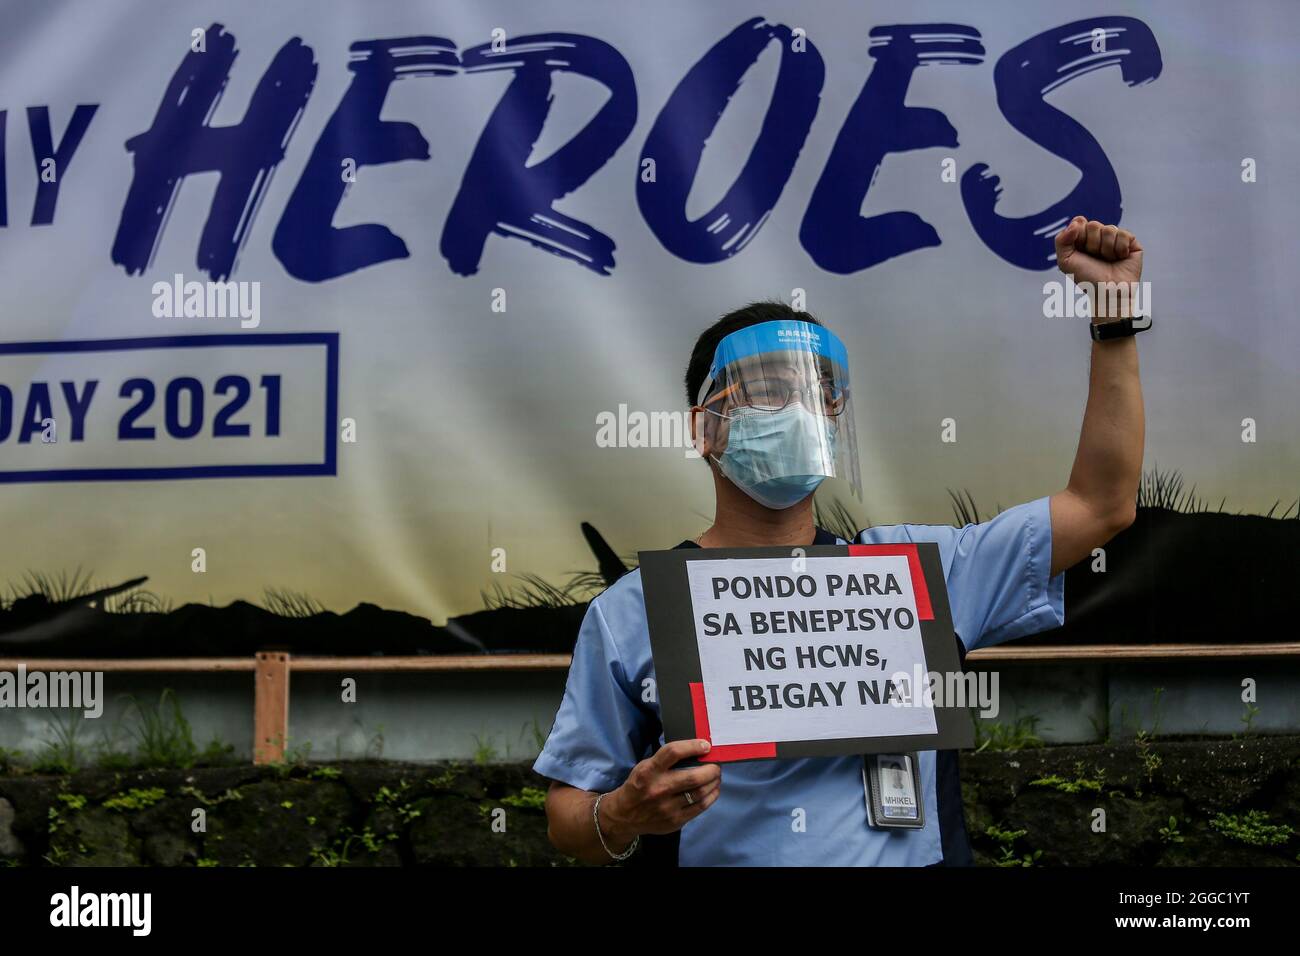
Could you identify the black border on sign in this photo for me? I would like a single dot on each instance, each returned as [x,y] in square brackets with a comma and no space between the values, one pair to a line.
[674,646]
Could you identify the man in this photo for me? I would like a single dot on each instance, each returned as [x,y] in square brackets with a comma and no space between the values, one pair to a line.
[772,417]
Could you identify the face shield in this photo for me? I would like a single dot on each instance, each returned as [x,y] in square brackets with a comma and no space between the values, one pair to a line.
[778,419]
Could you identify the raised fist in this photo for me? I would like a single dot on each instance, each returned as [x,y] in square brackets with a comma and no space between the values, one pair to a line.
[1100,256]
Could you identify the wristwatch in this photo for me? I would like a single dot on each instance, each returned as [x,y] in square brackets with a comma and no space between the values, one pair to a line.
[1100,332]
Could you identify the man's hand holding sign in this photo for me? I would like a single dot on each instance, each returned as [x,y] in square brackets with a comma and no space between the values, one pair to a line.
[658,799]
[787,653]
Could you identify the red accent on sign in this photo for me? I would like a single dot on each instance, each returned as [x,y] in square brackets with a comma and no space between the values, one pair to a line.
[723,752]
[923,609]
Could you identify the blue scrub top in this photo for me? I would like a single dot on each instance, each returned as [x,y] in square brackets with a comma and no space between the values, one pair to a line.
[998,588]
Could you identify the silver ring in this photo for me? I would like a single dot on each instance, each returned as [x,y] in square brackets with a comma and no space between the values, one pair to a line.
[690,801]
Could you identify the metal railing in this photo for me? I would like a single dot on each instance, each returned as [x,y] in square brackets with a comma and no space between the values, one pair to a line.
[272,669]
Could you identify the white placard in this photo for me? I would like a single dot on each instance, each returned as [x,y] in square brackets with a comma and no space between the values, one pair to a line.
[819,649]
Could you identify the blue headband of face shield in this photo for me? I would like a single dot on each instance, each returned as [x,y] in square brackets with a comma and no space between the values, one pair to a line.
[779,336]
[777,397]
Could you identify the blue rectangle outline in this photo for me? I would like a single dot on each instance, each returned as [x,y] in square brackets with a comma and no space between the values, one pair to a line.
[180,472]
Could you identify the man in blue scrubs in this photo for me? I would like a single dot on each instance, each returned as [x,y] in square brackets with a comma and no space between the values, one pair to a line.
[772,417]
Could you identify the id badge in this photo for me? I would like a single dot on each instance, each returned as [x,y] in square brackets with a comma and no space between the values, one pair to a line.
[892,783]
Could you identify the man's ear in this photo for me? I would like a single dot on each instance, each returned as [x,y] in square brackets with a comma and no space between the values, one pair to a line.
[699,441]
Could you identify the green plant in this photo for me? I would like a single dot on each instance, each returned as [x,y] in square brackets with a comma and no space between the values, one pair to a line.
[995,832]
[331,856]
[325,773]
[1253,828]
[1078,785]
[1170,834]
[372,842]
[210,801]
[1136,723]
[73,801]
[135,799]
[1021,734]
[1151,760]
[376,744]
[217,753]
[385,796]
[108,754]
[163,735]
[529,797]
[1101,728]
[291,758]
[108,758]
[1123,717]
[1009,858]
[484,752]
[444,779]
[62,752]
[1007,840]
[57,856]
[337,854]
[10,760]
[299,755]
[539,736]
[1248,718]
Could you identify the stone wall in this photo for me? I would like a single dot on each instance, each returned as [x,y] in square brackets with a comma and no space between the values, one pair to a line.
[1232,802]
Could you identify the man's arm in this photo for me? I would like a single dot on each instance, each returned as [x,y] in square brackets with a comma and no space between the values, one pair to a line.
[571,829]
[1100,499]
[652,800]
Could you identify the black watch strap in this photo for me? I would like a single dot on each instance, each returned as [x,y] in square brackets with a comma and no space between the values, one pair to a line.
[1100,332]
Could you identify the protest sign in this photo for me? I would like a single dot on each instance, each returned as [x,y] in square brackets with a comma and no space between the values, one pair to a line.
[805,652]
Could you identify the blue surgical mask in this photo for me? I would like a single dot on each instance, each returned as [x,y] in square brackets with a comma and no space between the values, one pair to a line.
[778,458]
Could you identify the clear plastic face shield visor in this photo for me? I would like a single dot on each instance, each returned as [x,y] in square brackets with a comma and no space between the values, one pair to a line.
[777,417]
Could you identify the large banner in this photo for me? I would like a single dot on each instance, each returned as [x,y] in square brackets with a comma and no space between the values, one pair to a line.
[318,305]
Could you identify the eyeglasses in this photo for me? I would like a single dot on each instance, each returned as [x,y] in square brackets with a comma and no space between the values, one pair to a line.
[769,395]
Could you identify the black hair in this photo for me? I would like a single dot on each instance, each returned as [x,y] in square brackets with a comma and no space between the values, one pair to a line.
[752,314]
